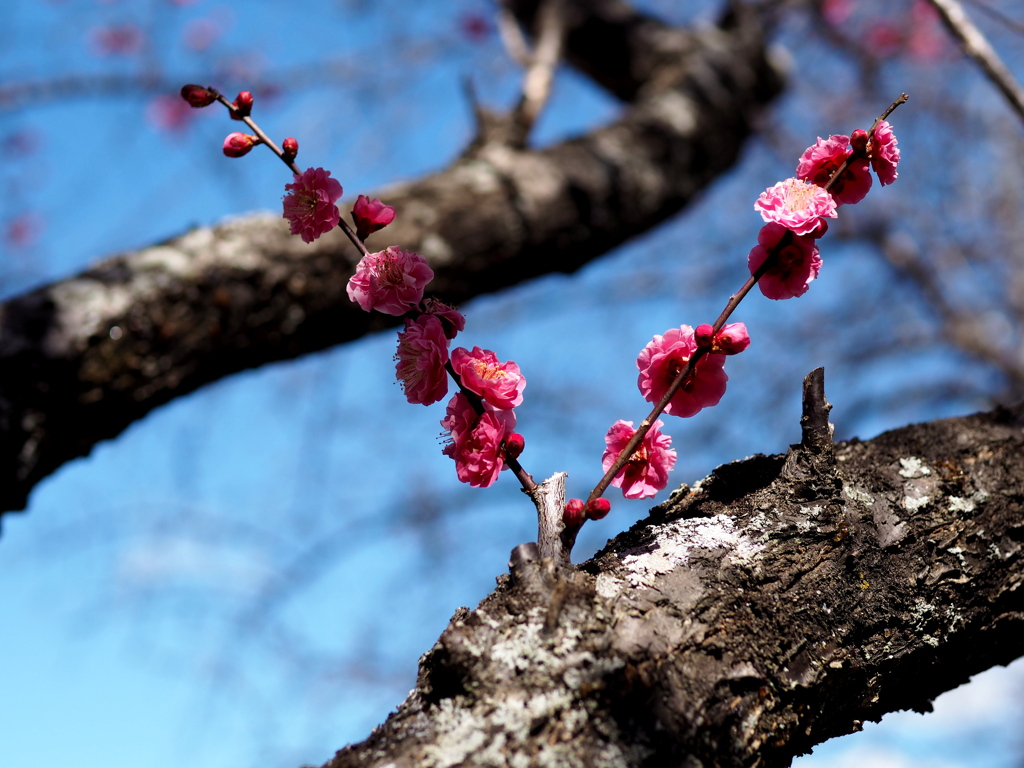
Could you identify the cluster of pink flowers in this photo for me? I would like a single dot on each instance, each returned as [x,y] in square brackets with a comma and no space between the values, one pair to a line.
[795,210]
[478,440]
[833,172]
[682,371]
[482,438]
[480,418]
[664,358]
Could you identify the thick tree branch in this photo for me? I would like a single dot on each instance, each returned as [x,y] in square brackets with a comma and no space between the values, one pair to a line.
[82,359]
[743,622]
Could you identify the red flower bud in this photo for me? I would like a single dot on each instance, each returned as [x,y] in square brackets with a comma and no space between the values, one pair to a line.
[859,141]
[704,335]
[572,516]
[514,445]
[290,147]
[732,339]
[597,508]
[197,96]
[238,144]
[243,104]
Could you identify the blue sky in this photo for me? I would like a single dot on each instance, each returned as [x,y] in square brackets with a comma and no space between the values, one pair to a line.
[248,575]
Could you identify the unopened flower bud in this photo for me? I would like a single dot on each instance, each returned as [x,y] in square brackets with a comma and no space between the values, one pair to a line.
[859,141]
[290,147]
[242,105]
[238,144]
[732,339]
[514,445]
[704,335]
[597,508]
[572,515]
[197,96]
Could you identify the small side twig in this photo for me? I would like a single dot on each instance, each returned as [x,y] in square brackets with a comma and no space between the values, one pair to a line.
[540,72]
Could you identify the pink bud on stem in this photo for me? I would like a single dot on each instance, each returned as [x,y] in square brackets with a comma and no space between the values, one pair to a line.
[238,144]
[241,106]
[289,149]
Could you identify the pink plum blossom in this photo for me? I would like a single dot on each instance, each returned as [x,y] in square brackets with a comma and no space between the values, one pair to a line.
[389,281]
[422,353]
[797,205]
[454,322]
[795,265]
[647,470]
[500,384]
[371,215]
[309,205]
[819,163]
[885,155]
[476,440]
[662,360]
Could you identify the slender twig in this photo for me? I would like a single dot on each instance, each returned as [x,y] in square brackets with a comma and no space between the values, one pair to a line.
[540,73]
[978,48]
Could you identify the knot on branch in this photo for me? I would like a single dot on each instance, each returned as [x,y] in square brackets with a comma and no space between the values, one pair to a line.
[811,465]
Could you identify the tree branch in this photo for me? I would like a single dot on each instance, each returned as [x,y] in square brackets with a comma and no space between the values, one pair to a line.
[744,621]
[977,47]
[82,359]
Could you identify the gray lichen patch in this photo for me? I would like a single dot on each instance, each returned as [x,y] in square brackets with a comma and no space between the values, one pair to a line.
[677,543]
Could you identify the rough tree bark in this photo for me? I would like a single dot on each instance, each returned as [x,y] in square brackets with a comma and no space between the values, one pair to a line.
[779,602]
[82,359]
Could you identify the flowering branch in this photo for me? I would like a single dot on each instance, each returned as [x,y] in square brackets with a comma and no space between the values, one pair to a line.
[846,182]
[680,371]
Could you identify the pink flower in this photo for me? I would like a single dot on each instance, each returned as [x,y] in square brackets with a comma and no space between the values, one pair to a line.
[662,360]
[794,267]
[500,384]
[309,205]
[476,441]
[796,204]
[371,215]
[885,155]
[647,470]
[422,353]
[390,281]
[453,321]
[818,164]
